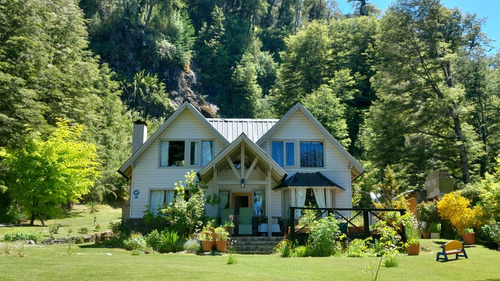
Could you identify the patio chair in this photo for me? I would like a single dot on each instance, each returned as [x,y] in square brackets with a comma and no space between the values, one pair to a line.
[245,224]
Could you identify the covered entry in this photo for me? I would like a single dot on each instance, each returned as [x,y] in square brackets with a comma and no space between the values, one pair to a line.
[242,176]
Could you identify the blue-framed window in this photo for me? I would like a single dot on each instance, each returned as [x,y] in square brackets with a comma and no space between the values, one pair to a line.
[311,154]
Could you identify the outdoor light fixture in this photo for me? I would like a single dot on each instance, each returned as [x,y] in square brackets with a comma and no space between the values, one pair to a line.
[242,183]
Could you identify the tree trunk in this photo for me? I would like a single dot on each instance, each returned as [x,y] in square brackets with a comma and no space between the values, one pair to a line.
[32,222]
[464,161]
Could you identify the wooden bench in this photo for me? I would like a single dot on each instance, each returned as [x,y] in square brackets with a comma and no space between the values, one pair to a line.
[453,247]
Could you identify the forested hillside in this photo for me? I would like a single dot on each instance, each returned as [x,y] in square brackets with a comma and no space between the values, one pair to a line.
[413,89]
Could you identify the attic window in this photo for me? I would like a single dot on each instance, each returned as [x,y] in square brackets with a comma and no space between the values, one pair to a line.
[172,153]
[311,154]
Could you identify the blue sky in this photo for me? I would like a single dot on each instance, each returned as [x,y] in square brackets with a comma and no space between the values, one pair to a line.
[488,9]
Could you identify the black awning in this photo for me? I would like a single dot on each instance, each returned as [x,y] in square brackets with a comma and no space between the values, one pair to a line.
[307,180]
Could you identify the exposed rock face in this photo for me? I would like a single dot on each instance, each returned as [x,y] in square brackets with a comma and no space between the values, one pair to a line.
[184,85]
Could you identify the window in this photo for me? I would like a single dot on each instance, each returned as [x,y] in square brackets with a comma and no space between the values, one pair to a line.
[205,155]
[258,203]
[160,198]
[207,152]
[195,147]
[172,153]
[278,152]
[311,154]
[290,154]
[283,155]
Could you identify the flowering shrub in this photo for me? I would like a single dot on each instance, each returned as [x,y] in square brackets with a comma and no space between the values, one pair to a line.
[456,208]
[322,236]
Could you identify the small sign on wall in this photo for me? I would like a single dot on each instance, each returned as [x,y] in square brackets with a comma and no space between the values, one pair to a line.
[136,194]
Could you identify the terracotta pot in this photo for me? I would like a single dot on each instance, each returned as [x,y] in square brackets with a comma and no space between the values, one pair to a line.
[435,235]
[229,229]
[426,234]
[207,245]
[413,249]
[221,246]
[469,238]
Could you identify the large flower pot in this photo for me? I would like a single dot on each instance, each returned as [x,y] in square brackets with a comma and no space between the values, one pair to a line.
[221,246]
[207,245]
[229,229]
[426,234]
[469,238]
[413,249]
[435,235]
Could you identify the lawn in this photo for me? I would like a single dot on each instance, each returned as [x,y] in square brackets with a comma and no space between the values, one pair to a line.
[79,217]
[88,262]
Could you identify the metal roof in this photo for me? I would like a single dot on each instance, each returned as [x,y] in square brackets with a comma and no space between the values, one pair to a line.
[308,180]
[231,128]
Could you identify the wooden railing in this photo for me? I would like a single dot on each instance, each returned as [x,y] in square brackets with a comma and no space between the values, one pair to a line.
[355,212]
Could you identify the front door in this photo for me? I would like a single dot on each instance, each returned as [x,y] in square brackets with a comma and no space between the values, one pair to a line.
[241,200]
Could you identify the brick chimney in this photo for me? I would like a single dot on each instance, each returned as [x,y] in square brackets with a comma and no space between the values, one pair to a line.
[140,135]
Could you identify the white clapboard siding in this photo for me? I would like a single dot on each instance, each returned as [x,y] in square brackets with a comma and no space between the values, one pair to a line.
[299,128]
[148,174]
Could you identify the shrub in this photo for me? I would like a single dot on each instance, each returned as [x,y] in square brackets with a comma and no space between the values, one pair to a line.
[387,245]
[358,248]
[22,236]
[458,211]
[185,215]
[284,248]
[192,245]
[136,242]
[428,212]
[83,230]
[322,236]
[120,229]
[231,260]
[169,242]
[490,233]
[300,251]
[222,234]
[153,239]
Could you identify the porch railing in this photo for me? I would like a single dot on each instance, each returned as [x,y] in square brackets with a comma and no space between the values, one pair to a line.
[355,212]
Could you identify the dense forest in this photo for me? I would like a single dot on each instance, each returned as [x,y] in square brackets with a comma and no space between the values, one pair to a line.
[410,90]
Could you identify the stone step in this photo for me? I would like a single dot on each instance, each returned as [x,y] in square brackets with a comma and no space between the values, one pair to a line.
[253,244]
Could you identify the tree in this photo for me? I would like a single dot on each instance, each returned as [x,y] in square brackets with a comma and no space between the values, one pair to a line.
[243,98]
[416,84]
[326,105]
[48,173]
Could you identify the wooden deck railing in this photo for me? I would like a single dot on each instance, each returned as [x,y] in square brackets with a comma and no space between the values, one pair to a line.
[355,212]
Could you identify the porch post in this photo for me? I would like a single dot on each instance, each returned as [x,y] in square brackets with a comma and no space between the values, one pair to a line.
[268,203]
[216,190]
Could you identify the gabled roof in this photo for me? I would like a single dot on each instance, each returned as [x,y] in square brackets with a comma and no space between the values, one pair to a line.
[125,169]
[356,168]
[206,172]
[308,180]
[231,128]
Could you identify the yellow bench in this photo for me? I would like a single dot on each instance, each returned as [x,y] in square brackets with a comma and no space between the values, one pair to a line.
[453,247]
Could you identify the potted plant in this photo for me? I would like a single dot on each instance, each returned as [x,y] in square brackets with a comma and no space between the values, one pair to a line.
[435,230]
[468,236]
[221,242]
[428,214]
[412,231]
[206,241]
[228,225]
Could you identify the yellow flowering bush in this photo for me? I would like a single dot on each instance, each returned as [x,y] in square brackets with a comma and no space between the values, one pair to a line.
[456,208]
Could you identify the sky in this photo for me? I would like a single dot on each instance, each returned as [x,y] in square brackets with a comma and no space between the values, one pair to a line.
[488,9]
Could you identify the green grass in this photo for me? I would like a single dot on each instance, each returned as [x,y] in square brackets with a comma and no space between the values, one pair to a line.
[96,263]
[78,218]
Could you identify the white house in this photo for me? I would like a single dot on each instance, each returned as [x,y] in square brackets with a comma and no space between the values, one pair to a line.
[267,165]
